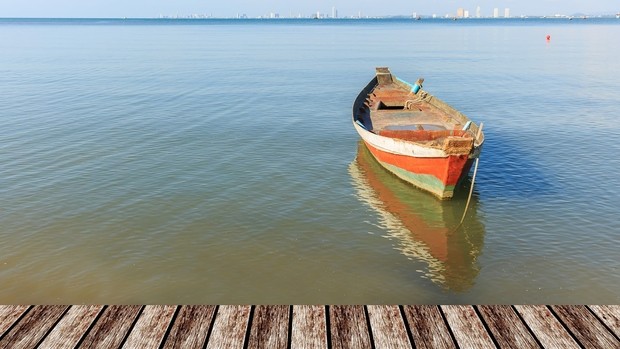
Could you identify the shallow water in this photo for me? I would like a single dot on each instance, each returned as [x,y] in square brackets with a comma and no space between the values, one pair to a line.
[214,161]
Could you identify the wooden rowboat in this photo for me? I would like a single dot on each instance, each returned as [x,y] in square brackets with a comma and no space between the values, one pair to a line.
[415,135]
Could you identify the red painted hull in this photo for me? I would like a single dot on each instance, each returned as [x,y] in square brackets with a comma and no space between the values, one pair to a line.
[448,170]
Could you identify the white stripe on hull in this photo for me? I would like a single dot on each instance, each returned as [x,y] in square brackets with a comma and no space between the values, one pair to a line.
[397,146]
[401,147]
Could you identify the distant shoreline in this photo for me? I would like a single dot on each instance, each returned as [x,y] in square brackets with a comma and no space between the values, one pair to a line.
[400,20]
[383,18]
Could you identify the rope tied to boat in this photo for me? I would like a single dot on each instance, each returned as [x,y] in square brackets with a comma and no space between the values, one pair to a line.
[411,102]
[473,179]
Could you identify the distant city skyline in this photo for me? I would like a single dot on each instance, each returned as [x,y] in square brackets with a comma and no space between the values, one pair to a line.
[300,8]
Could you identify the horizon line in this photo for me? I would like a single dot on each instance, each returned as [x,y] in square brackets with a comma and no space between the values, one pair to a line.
[205,17]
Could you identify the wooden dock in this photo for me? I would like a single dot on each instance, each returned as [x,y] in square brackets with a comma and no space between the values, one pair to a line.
[305,326]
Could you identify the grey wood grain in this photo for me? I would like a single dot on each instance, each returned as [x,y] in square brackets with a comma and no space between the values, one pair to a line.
[309,327]
[230,326]
[32,327]
[71,327]
[348,327]
[506,326]
[111,327]
[467,327]
[191,326]
[151,327]
[269,327]
[588,330]
[8,315]
[593,326]
[546,327]
[428,328]
[610,315]
[388,327]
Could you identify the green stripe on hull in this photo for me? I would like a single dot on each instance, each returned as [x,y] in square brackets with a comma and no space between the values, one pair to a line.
[423,181]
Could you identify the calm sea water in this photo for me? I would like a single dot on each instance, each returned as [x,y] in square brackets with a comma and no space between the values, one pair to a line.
[152,161]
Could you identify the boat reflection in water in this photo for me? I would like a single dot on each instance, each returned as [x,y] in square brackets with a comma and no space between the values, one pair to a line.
[425,228]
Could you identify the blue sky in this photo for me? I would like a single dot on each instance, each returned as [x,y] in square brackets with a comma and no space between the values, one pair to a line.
[253,8]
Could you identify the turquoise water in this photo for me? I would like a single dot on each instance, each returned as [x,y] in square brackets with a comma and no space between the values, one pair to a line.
[214,161]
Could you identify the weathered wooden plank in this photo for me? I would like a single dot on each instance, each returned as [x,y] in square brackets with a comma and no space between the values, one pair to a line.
[610,315]
[231,324]
[388,327]
[546,327]
[269,327]
[506,326]
[33,327]
[348,327]
[71,327]
[111,327]
[309,329]
[58,327]
[428,328]
[151,327]
[468,330]
[191,326]
[8,315]
[588,330]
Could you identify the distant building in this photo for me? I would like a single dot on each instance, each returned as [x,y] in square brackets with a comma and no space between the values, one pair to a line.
[334,12]
[506,12]
[478,12]
[496,13]
[466,14]
[460,12]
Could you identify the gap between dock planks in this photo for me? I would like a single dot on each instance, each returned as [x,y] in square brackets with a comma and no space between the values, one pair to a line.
[310,326]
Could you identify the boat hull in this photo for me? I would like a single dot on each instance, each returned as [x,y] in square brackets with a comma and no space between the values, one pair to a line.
[435,174]
[439,176]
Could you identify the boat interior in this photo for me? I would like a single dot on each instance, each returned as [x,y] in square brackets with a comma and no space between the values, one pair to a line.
[392,109]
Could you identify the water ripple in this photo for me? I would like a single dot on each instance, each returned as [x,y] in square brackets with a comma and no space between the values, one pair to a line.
[137,160]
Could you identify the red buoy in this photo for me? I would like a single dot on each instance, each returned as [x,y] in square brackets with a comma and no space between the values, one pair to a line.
[548,37]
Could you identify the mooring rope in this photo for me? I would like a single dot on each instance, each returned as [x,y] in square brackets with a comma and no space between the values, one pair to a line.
[473,179]
[471,190]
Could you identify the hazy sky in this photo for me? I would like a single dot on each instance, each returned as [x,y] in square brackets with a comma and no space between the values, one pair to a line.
[253,8]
